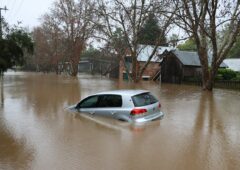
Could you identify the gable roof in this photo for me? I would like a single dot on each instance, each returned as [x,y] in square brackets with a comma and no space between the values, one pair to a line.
[146,50]
[233,63]
[189,58]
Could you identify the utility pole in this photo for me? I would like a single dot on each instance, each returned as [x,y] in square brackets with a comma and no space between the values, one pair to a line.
[5,9]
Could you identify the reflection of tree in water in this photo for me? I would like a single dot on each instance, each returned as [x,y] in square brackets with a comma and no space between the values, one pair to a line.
[13,153]
[209,143]
[38,94]
[1,91]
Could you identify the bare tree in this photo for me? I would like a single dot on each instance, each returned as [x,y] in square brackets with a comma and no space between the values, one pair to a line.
[49,44]
[76,21]
[67,28]
[41,49]
[128,18]
[204,19]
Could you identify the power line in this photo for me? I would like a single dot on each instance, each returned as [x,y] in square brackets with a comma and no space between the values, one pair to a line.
[11,7]
[19,7]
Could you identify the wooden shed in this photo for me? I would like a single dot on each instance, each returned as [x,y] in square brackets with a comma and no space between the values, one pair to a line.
[177,66]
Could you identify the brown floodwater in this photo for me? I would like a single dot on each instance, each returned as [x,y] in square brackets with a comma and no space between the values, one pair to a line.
[200,130]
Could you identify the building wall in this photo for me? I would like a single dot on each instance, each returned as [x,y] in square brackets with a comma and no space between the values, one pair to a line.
[171,70]
[150,71]
[103,67]
[84,67]
[190,71]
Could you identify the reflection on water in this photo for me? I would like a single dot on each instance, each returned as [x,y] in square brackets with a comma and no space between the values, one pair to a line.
[200,130]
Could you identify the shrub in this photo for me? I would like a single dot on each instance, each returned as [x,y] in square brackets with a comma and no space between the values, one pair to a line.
[219,77]
[237,78]
[227,74]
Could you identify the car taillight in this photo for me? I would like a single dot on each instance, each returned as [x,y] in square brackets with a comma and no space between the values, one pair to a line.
[159,106]
[138,111]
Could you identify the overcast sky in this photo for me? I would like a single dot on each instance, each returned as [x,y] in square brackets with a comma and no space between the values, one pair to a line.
[26,11]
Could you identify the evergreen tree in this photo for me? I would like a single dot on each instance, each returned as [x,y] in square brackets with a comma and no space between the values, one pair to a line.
[151,32]
[13,47]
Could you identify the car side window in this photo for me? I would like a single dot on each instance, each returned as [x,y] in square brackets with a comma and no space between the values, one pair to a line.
[89,102]
[110,101]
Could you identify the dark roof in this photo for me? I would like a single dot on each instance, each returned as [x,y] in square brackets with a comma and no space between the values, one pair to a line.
[188,58]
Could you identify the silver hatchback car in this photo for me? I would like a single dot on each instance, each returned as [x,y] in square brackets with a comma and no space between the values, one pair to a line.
[128,105]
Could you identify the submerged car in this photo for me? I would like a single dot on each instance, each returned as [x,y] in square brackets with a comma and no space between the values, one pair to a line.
[127,105]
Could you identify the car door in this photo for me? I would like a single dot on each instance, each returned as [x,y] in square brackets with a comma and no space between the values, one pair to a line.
[88,105]
[103,105]
[109,104]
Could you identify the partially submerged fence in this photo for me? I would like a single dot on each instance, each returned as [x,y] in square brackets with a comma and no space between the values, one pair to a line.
[227,84]
[232,84]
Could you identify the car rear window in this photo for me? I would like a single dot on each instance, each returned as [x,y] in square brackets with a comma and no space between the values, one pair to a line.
[143,99]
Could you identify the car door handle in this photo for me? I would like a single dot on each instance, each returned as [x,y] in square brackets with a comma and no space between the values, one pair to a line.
[113,113]
[92,113]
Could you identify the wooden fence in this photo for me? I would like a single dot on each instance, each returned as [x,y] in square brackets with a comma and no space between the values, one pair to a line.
[227,84]
[231,84]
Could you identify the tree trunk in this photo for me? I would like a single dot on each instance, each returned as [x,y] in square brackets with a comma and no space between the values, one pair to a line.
[78,47]
[207,79]
[74,69]
[212,77]
[134,67]
[2,92]
[208,85]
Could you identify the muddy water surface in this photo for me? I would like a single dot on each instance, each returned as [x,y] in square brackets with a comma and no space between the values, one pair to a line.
[200,130]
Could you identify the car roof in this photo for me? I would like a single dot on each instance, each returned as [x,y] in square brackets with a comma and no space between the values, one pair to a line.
[124,92]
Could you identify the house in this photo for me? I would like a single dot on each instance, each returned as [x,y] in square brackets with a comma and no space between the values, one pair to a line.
[107,66]
[143,55]
[177,66]
[85,65]
[104,66]
[233,64]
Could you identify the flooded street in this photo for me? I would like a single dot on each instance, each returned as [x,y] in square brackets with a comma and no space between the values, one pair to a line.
[200,130]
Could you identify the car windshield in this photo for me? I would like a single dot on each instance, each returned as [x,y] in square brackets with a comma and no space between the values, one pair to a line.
[143,99]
